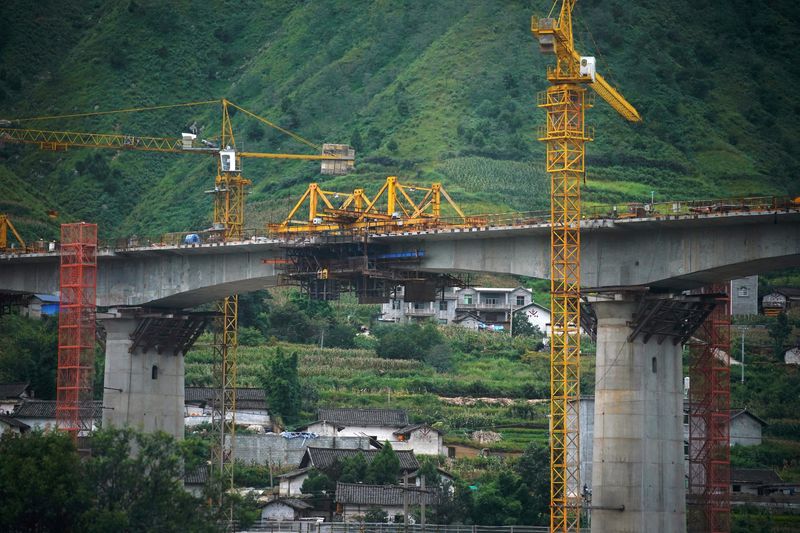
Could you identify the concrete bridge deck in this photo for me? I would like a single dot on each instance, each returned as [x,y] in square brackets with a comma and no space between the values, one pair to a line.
[671,252]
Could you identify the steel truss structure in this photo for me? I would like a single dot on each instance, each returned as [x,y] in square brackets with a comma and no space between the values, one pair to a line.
[709,422]
[76,329]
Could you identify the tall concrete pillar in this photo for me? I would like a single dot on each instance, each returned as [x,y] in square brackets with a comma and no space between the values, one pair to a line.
[144,369]
[637,462]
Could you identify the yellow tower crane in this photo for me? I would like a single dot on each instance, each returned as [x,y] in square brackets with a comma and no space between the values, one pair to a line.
[5,227]
[229,194]
[565,134]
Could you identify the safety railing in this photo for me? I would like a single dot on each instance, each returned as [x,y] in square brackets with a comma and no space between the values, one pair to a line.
[620,211]
[366,527]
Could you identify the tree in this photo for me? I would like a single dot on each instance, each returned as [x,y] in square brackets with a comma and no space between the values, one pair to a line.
[534,469]
[29,353]
[376,515]
[407,341]
[340,336]
[503,501]
[131,482]
[135,484]
[522,326]
[318,483]
[40,483]
[384,468]
[280,381]
[354,469]
[779,331]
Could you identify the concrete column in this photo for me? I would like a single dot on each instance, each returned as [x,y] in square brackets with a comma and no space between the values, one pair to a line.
[134,396]
[637,459]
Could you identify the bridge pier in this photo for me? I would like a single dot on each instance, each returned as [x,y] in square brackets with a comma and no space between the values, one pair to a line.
[637,459]
[144,368]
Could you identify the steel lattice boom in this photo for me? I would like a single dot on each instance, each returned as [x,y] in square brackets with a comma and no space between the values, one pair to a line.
[565,135]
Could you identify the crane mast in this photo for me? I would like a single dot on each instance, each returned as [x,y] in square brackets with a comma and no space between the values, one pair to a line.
[565,135]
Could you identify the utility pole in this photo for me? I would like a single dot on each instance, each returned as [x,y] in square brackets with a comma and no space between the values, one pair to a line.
[423,493]
[405,501]
[742,330]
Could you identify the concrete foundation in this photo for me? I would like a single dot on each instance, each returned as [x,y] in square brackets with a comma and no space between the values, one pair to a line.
[143,388]
[637,463]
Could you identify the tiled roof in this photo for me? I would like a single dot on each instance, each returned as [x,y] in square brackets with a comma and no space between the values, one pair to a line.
[324,457]
[48,298]
[12,390]
[413,427]
[365,417]
[736,412]
[13,422]
[295,503]
[207,394]
[360,494]
[295,473]
[761,476]
[196,477]
[47,409]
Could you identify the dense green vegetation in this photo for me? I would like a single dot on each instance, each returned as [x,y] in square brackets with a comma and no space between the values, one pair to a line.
[47,486]
[430,91]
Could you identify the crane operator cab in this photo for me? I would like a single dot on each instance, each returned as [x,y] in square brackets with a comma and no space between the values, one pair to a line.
[227,160]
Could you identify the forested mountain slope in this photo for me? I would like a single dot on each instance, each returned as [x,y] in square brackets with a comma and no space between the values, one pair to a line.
[426,90]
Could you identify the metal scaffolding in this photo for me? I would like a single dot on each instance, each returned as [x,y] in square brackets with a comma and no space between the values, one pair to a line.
[709,422]
[76,329]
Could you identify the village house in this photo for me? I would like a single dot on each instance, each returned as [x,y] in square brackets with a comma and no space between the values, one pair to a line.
[39,305]
[285,509]
[251,406]
[13,395]
[12,425]
[782,299]
[792,355]
[354,500]
[324,458]
[758,481]
[380,425]
[473,308]
[41,414]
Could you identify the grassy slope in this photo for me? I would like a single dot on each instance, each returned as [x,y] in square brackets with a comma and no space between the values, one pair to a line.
[450,82]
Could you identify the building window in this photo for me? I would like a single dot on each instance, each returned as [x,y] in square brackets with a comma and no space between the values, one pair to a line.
[737,488]
[395,304]
[442,305]
[420,306]
[685,449]
[520,300]
[467,299]
[686,419]
[744,292]
[442,321]
[490,301]
[654,363]
[154,372]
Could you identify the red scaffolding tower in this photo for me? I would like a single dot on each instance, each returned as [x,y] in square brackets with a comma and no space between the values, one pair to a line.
[709,422]
[76,329]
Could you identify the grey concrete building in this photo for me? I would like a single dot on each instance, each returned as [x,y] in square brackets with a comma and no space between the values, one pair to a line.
[744,296]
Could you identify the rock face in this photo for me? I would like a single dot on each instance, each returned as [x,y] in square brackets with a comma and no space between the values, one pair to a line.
[486,437]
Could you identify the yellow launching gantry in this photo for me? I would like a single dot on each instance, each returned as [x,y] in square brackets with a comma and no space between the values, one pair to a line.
[393,208]
[565,135]
[5,227]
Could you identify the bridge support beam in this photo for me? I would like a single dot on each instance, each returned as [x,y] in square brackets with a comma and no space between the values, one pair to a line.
[637,459]
[144,368]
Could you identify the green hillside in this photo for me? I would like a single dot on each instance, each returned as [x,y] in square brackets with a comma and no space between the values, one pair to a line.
[425,90]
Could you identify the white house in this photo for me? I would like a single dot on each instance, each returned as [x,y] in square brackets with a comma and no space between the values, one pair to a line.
[473,307]
[41,414]
[380,425]
[792,355]
[12,395]
[285,509]
[251,406]
[324,458]
[12,425]
[353,500]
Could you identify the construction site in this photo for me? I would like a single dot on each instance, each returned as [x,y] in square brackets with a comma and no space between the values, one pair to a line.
[648,284]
